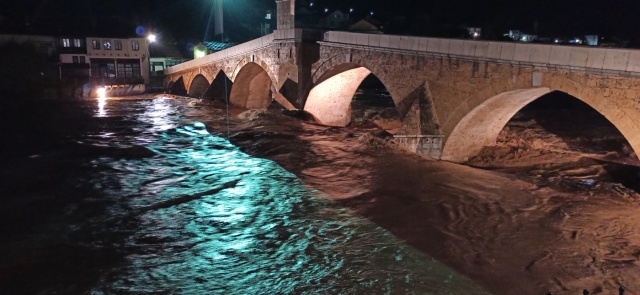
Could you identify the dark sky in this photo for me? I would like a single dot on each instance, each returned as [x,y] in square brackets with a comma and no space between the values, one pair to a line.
[188,19]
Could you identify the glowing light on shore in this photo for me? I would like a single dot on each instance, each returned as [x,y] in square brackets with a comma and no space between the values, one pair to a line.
[102,101]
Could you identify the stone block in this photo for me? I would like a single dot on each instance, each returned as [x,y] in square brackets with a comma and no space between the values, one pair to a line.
[444,46]
[456,47]
[423,43]
[350,38]
[384,41]
[469,48]
[415,44]
[595,58]
[493,50]
[482,48]
[507,51]
[433,45]
[521,52]
[560,55]
[394,42]
[539,54]
[634,61]
[405,42]
[374,40]
[616,59]
[578,57]
[362,39]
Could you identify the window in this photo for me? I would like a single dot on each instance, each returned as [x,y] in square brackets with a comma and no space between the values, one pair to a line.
[135,45]
[82,59]
[117,44]
[128,69]
[157,66]
[96,44]
[75,59]
[77,43]
[66,42]
[107,44]
[103,69]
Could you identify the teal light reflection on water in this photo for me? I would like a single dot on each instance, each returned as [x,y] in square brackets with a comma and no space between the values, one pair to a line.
[267,234]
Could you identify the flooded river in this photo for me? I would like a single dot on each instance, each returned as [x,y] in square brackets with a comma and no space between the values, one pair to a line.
[183,196]
[143,199]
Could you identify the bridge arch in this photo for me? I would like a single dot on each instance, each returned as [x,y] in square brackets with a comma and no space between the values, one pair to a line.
[177,87]
[483,124]
[220,87]
[329,101]
[198,86]
[252,87]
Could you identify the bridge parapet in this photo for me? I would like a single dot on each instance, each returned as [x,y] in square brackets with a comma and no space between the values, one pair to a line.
[232,52]
[621,62]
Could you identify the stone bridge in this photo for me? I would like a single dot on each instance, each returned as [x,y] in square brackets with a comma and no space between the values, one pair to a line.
[453,96]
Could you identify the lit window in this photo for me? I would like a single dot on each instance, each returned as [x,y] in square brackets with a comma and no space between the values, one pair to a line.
[135,45]
[96,44]
[66,42]
[77,43]
[117,44]
[107,44]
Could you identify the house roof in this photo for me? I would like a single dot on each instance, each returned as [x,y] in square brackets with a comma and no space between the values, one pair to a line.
[364,26]
[217,46]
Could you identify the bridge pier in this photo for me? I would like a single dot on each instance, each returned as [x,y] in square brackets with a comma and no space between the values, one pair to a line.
[425,145]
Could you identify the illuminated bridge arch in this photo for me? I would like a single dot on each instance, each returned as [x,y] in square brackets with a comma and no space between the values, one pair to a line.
[482,125]
[329,101]
[253,87]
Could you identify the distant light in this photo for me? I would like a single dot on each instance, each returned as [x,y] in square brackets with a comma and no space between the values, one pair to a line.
[102,93]
[200,53]
[152,38]
[326,10]
[350,10]
[371,13]
[102,101]
[311,4]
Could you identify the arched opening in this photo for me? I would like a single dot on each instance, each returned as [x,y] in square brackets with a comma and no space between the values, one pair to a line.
[569,143]
[220,88]
[251,88]
[352,96]
[198,86]
[372,106]
[535,126]
[178,88]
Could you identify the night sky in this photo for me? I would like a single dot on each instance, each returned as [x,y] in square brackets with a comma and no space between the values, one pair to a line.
[189,19]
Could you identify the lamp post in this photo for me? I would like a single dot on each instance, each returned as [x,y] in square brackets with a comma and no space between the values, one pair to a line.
[151,38]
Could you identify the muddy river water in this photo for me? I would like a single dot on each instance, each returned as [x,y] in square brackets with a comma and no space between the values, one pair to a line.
[162,195]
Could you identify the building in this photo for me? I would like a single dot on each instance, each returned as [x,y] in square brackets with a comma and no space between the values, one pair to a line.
[121,65]
[367,26]
[161,57]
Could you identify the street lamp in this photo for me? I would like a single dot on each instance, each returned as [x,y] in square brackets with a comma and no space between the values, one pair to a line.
[151,38]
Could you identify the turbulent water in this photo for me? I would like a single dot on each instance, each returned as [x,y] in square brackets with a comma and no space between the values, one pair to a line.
[183,196]
[142,198]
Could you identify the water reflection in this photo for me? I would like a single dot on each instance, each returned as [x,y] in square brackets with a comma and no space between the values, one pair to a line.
[102,101]
[267,233]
